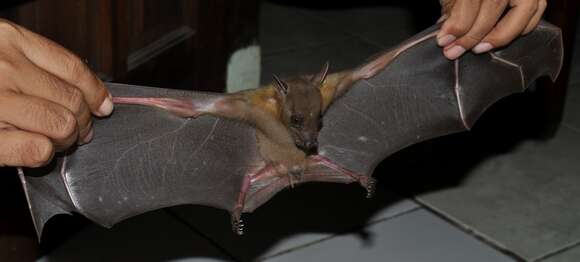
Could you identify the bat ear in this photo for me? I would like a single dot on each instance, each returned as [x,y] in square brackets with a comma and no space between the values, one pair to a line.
[321,76]
[280,85]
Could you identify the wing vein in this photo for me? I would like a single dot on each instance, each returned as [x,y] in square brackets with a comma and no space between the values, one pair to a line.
[457,89]
[374,122]
[510,63]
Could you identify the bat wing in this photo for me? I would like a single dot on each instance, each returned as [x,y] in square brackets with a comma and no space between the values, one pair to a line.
[421,95]
[142,159]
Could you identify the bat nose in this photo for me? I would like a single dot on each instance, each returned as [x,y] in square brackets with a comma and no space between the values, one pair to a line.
[311,144]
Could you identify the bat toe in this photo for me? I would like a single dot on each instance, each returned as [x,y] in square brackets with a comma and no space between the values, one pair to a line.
[238,226]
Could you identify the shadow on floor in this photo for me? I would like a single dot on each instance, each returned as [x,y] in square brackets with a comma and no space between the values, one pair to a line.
[309,212]
[444,162]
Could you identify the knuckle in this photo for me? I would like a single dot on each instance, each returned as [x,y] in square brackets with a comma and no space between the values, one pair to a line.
[38,152]
[75,99]
[457,28]
[65,127]
[77,70]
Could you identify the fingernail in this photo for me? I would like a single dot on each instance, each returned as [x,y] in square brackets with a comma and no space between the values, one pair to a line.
[89,136]
[482,48]
[454,52]
[106,107]
[445,40]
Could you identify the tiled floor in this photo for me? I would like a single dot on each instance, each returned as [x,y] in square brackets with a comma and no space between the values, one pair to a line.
[511,202]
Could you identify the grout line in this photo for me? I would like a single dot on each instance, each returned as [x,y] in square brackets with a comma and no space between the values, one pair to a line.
[487,240]
[345,232]
[201,234]
[557,251]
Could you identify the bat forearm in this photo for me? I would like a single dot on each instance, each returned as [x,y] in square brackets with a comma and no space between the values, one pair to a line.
[335,86]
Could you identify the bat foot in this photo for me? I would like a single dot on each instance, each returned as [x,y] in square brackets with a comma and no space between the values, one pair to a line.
[370,186]
[238,226]
[294,177]
[367,182]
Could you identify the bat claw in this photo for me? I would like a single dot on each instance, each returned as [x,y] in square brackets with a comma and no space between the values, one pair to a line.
[371,187]
[238,226]
[294,177]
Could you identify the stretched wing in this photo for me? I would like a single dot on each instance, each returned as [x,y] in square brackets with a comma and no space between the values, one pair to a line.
[420,95]
[142,159]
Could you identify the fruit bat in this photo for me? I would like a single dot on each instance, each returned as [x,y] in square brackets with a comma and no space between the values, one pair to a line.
[164,147]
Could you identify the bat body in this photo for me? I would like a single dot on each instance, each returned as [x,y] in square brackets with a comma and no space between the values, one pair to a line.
[287,116]
[236,151]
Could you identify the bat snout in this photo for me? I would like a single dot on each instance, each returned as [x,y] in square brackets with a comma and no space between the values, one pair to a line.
[309,146]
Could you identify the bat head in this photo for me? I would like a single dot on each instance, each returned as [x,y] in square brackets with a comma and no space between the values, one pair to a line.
[301,104]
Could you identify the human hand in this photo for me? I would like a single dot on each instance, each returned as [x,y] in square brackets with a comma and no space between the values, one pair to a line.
[47,95]
[478,25]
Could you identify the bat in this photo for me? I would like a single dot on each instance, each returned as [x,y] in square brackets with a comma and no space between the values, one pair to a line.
[164,147]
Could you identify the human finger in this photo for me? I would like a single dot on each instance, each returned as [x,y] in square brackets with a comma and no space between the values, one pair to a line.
[37,115]
[43,84]
[542,4]
[489,14]
[461,19]
[24,149]
[64,64]
[512,24]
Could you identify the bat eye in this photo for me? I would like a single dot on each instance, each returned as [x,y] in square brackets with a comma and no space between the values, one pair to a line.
[297,121]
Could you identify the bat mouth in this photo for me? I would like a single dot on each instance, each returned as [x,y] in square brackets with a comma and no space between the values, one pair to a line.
[308,146]
[308,150]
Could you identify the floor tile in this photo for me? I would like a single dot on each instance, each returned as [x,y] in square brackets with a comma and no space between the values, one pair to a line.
[296,217]
[348,54]
[566,256]
[416,236]
[522,198]
[284,28]
[153,236]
